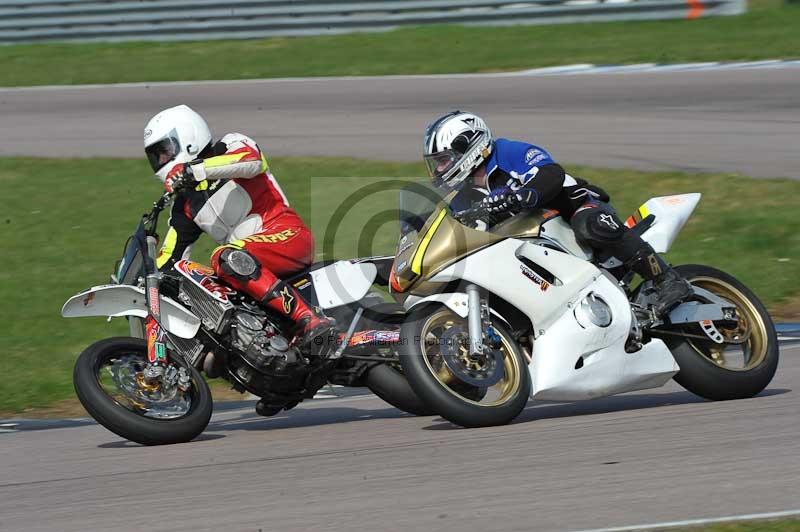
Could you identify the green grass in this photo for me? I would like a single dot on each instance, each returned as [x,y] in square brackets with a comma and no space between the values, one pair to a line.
[787,525]
[767,31]
[65,222]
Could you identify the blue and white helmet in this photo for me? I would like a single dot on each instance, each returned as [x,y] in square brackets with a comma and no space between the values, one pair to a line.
[455,145]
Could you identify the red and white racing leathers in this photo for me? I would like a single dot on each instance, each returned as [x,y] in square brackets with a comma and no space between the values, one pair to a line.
[240,205]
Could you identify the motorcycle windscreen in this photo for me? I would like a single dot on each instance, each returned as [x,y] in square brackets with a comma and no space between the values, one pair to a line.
[417,202]
[131,266]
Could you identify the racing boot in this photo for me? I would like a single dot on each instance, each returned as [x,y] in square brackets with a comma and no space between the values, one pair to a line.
[671,289]
[265,409]
[314,329]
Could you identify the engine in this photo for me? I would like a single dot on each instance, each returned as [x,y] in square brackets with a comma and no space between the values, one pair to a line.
[259,342]
[262,360]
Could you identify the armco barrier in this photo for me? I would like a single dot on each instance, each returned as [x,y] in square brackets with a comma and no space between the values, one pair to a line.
[162,20]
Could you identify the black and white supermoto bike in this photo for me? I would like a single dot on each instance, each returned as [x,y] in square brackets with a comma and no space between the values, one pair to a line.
[148,387]
[525,311]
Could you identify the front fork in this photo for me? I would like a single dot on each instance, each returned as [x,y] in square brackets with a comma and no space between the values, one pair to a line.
[474,320]
[479,321]
[156,344]
[156,347]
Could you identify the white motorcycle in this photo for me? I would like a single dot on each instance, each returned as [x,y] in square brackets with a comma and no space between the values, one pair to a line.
[525,311]
[148,387]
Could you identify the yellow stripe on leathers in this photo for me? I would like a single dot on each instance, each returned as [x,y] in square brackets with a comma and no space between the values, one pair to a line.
[168,248]
[416,262]
[643,211]
[224,160]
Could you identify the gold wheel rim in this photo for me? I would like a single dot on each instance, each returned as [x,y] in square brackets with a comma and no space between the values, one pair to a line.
[750,324]
[508,386]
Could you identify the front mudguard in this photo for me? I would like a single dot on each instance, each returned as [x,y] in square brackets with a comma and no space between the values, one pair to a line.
[124,300]
[458,302]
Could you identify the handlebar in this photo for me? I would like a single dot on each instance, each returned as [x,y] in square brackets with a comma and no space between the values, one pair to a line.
[470,215]
[162,202]
[479,210]
[151,219]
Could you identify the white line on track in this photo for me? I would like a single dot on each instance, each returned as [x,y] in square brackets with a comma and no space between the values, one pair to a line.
[584,68]
[695,522]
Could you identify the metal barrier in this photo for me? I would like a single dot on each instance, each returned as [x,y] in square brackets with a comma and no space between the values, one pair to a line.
[172,20]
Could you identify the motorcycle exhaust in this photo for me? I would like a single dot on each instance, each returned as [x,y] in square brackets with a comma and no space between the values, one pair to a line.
[210,367]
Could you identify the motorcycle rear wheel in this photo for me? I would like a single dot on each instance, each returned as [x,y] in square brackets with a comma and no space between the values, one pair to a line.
[387,381]
[719,371]
[134,412]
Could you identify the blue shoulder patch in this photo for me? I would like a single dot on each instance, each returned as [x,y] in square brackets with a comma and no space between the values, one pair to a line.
[517,158]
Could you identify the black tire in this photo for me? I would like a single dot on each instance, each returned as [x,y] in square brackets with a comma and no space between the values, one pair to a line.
[700,375]
[389,383]
[453,406]
[385,380]
[124,422]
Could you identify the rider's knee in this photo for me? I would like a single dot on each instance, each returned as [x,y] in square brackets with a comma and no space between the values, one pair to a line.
[237,263]
[597,226]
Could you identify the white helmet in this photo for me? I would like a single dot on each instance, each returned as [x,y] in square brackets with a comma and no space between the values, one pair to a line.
[175,135]
[455,145]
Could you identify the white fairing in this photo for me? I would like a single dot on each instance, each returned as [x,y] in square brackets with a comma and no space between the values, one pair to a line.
[343,282]
[560,339]
[497,269]
[559,231]
[124,300]
[575,360]
[671,214]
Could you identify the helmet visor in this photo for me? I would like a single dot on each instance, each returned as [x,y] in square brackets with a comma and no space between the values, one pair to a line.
[163,151]
[441,163]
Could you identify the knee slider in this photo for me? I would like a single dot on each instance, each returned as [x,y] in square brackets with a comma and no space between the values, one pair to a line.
[604,226]
[240,264]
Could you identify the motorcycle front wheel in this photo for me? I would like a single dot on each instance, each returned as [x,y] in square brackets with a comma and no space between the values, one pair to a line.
[470,391]
[110,384]
[745,363]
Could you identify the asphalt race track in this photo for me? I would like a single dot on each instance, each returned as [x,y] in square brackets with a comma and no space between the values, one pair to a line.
[743,121]
[355,464]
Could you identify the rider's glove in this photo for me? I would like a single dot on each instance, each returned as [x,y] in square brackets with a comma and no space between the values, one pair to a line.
[526,198]
[504,200]
[497,201]
[179,178]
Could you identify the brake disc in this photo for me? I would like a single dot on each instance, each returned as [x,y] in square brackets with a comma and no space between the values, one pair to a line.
[482,370]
